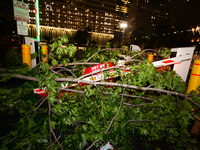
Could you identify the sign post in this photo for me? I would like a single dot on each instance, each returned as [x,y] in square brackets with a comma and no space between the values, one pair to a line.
[21,14]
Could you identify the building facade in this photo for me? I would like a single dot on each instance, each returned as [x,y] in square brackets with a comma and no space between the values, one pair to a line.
[147,13]
[59,17]
[121,16]
[184,18]
[144,19]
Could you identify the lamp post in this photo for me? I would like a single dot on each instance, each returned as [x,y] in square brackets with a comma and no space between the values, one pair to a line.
[123,26]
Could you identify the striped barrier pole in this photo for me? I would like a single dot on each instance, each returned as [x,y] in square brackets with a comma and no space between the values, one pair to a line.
[37,20]
[194,81]
[26,54]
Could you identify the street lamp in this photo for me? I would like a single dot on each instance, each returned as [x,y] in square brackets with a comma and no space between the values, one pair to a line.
[123,26]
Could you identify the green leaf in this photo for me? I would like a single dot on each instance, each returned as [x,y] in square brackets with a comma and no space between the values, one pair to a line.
[84,127]
[52,99]
[53,124]
[54,62]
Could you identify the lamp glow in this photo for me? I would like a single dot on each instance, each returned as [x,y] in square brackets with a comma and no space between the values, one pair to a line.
[123,25]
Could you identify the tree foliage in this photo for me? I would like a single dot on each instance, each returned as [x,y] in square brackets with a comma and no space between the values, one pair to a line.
[150,102]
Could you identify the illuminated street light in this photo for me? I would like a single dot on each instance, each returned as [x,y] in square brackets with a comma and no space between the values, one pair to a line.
[197,30]
[123,25]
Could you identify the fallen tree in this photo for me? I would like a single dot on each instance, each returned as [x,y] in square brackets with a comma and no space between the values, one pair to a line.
[147,101]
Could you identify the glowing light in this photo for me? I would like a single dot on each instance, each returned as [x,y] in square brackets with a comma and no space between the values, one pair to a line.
[193,30]
[197,29]
[123,25]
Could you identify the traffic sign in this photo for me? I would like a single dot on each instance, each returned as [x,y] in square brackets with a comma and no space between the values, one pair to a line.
[22,28]
[21,11]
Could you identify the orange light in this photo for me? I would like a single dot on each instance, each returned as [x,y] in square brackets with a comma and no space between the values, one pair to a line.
[126,70]
[93,78]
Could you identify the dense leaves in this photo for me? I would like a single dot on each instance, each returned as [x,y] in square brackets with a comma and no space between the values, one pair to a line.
[143,101]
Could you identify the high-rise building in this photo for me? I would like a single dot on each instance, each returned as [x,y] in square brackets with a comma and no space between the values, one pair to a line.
[184,19]
[121,10]
[147,13]
[72,15]
[184,14]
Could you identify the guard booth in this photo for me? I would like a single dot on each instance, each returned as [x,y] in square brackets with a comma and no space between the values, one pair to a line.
[34,48]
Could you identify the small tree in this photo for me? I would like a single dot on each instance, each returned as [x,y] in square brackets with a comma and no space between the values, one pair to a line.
[82,37]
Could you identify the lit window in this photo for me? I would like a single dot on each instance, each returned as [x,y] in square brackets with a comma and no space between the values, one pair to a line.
[58,20]
[63,6]
[75,8]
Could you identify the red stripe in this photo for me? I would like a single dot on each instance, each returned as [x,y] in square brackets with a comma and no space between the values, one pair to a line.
[195,74]
[167,61]
[26,48]
[25,54]
[196,64]
[35,10]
